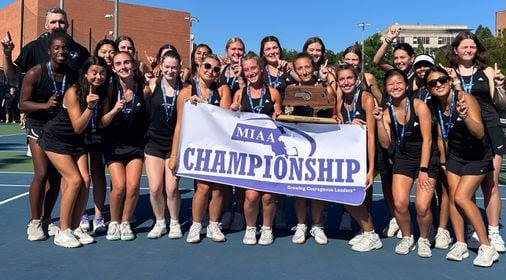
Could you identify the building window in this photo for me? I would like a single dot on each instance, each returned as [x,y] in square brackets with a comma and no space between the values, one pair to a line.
[400,40]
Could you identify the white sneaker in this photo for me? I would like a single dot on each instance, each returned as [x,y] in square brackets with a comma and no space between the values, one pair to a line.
[126,231]
[65,238]
[356,238]
[266,236]
[391,229]
[299,236]
[497,241]
[175,231]
[369,241]
[399,234]
[83,237]
[85,223]
[113,232]
[405,245]
[250,236]
[280,220]
[458,252]
[213,231]
[35,231]
[345,224]
[424,250]
[49,227]
[194,233]
[442,239]
[318,234]
[487,255]
[238,223]
[473,242]
[226,220]
[98,224]
[159,229]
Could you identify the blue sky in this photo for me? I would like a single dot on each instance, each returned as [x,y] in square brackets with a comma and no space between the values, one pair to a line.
[333,21]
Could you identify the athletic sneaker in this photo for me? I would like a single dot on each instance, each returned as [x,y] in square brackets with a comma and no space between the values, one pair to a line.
[443,239]
[473,242]
[194,233]
[424,250]
[126,231]
[250,236]
[405,245]
[35,231]
[399,234]
[280,220]
[213,231]
[266,236]
[83,237]
[175,231]
[487,255]
[391,229]
[299,236]
[65,238]
[226,220]
[113,232]
[159,229]
[496,241]
[238,223]
[345,224]
[98,224]
[458,252]
[85,223]
[369,241]
[356,238]
[318,234]
[49,227]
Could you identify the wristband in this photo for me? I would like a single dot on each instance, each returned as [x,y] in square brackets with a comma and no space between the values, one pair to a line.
[424,169]
[89,107]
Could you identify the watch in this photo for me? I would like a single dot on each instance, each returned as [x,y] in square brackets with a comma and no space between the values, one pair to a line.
[424,169]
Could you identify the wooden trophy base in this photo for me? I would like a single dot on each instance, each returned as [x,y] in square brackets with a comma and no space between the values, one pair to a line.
[293,118]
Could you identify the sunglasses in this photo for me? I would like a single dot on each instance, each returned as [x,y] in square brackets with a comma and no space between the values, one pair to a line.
[208,66]
[441,80]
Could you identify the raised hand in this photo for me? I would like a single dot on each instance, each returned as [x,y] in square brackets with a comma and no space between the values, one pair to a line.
[324,71]
[462,107]
[7,44]
[498,76]
[378,111]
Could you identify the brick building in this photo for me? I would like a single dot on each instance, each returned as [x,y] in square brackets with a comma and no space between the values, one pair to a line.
[149,27]
[500,23]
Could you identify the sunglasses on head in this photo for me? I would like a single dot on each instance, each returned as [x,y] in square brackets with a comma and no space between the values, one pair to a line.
[441,80]
[208,66]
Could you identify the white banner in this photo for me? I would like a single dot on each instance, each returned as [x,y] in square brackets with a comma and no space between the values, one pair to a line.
[320,161]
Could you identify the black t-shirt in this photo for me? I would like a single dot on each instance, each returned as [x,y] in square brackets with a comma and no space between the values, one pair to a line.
[11,100]
[36,52]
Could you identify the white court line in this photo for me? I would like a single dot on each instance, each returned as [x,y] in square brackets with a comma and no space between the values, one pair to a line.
[15,134]
[14,198]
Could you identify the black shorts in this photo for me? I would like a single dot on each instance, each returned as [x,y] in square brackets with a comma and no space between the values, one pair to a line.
[156,150]
[383,161]
[474,167]
[496,136]
[33,131]
[122,153]
[410,167]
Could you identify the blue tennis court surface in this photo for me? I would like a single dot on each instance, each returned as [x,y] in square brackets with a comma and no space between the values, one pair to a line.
[175,259]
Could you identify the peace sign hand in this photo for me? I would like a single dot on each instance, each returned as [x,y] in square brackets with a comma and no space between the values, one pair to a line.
[377,112]
[324,71]
[462,107]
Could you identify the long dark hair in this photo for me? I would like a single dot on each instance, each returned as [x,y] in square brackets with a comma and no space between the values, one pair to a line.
[193,67]
[83,86]
[480,59]
[319,41]
[268,39]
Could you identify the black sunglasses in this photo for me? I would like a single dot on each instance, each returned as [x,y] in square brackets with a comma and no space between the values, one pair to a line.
[441,80]
[208,66]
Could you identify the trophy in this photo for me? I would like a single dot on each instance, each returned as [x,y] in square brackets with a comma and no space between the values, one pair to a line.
[315,97]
